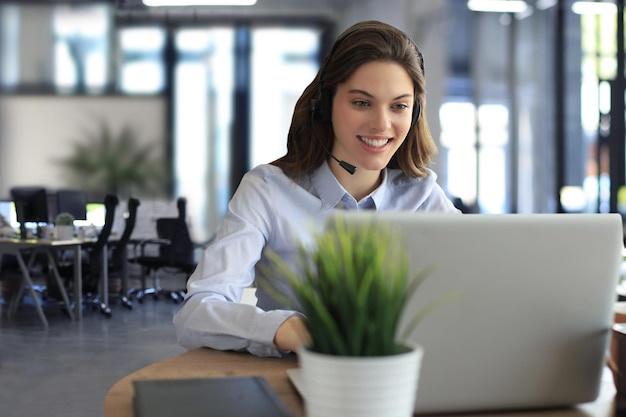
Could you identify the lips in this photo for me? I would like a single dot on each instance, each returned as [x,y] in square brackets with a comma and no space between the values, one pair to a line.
[374,143]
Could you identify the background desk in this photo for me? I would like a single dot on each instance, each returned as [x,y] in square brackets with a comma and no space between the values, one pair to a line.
[49,247]
[202,363]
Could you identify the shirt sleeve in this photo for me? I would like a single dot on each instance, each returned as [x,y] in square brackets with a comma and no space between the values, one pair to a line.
[212,315]
[439,201]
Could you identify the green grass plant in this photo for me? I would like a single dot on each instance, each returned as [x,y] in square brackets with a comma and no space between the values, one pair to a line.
[64,219]
[352,285]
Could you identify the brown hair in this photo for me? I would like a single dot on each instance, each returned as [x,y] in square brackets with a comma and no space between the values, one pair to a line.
[311,136]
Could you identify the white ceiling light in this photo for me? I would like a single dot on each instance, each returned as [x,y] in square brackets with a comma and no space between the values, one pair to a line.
[499,6]
[161,3]
[593,7]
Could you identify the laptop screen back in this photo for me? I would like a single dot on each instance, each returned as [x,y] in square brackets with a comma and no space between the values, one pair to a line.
[530,321]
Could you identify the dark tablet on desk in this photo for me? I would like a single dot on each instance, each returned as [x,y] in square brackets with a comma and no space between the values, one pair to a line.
[249,396]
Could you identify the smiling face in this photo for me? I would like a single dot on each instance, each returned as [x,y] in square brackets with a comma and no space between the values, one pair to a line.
[371,114]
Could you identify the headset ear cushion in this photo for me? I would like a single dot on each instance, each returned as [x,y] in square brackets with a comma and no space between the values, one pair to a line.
[324,106]
[417,112]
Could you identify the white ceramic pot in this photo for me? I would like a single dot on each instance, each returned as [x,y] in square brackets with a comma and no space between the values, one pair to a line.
[64,232]
[382,386]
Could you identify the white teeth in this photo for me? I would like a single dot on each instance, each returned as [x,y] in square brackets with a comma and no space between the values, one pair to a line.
[375,143]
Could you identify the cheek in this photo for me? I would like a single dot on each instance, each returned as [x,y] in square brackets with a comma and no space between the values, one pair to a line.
[345,123]
[407,118]
[342,115]
[402,131]
[341,131]
[403,127]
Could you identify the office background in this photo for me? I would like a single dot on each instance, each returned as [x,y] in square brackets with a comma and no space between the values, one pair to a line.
[519,103]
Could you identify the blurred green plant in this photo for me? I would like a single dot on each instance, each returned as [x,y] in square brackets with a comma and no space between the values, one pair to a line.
[352,287]
[64,219]
[115,162]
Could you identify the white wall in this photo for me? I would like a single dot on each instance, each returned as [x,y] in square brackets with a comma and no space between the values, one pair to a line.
[35,132]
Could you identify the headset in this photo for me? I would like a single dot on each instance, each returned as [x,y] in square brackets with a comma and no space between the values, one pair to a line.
[321,107]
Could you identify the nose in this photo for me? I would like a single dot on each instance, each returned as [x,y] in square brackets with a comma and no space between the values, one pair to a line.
[380,120]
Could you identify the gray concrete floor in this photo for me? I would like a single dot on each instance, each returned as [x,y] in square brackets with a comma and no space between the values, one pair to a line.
[66,370]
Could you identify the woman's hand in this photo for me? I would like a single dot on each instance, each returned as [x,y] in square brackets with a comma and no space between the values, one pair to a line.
[292,334]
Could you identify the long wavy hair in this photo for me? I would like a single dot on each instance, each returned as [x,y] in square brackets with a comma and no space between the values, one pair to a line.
[310,137]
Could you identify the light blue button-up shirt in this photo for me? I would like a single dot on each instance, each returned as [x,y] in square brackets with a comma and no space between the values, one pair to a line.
[271,210]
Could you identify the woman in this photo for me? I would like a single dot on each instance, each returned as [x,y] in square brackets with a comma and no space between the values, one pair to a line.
[357,141]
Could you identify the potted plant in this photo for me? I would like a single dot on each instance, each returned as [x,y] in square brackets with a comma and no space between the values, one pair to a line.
[64,226]
[352,286]
[107,161]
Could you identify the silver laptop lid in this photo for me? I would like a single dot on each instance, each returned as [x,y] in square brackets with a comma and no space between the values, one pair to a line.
[530,325]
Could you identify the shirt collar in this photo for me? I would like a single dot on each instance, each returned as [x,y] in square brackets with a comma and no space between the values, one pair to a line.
[331,192]
[327,186]
[380,194]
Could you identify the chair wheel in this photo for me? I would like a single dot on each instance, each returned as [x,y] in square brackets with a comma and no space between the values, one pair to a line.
[127,303]
[106,311]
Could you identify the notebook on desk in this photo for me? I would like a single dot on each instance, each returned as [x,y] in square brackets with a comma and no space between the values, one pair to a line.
[249,396]
[530,325]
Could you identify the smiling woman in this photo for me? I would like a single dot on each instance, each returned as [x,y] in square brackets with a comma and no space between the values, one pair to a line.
[364,106]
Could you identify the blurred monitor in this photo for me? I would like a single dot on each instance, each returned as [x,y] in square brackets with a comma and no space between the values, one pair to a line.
[73,202]
[95,214]
[7,211]
[31,206]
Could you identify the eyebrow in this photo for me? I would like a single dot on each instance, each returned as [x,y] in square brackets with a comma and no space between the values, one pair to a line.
[365,93]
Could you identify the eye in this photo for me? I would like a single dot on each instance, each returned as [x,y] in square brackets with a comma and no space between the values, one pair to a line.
[360,103]
[400,106]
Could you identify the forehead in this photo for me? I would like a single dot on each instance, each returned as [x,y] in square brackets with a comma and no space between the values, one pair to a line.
[379,79]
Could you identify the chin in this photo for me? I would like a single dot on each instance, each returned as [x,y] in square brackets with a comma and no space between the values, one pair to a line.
[373,166]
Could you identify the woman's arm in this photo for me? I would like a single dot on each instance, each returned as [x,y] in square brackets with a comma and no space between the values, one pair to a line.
[212,314]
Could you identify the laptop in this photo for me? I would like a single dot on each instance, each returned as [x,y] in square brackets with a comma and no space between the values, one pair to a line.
[529,310]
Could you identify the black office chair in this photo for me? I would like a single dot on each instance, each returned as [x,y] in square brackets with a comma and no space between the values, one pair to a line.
[175,255]
[118,253]
[95,288]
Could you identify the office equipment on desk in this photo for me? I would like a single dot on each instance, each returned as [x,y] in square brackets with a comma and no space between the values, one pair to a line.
[96,212]
[31,206]
[7,210]
[207,363]
[531,322]
[73,202]
[249,396]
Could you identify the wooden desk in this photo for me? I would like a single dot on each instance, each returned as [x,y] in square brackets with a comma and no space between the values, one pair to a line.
[48,247]
[201,363]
